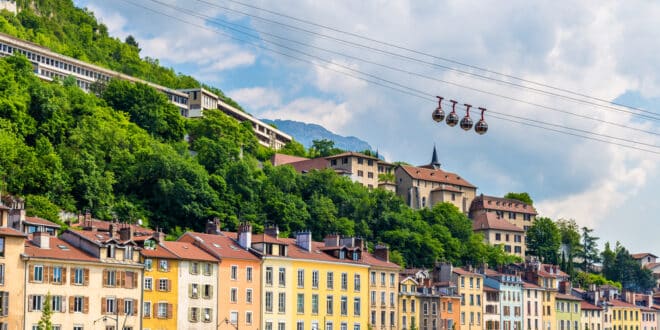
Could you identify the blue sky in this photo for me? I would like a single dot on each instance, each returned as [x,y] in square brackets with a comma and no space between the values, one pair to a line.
[605,49]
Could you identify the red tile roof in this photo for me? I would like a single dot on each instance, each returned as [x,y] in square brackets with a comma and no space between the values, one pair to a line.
[567,297]
[40,222]
[352,154]
[587,306]
[462,271]
[490,289]
[490,220]
[621,303]
[370,259]
[529,285]
[549,271]
[4,231]
[96,237]
[433,175]
[222,246]
[281,159]
[158,252]
[642,255]
[59,250]
[651,265]
[264,238]
[483,202]
[185,250]
[447,188]
[311,164]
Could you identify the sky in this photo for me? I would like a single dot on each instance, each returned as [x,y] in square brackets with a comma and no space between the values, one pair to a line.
[301,66]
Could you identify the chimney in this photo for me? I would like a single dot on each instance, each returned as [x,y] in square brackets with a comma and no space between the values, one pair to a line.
[245,235]
[331,240]
[272,230]
[158,235]
[81,219]
[382,252]
[126,232]
[42,239]
[114,230]
[304,240]
[213,226]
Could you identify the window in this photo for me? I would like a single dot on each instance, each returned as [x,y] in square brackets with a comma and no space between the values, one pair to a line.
[392,280]
[315,304]
[163,265]
[234,272]
[38,275]
[281,302]
[248,317]
[382,279]
[110,278]
[148,283]
[56,304]
[360,173]
[110,305]
[163,284]
[207,313]
[233,295]
[207,292]
[146,309]
[301,278]
[300,325]
[248,296]
[498,236]
[330,280]
[356,306]
[128,306]
[372,278]
[281,278]
[269,275]
[356,282]
[373,298]
[193,314]
[78,304]
[208,269]
[4,303]
[329,305]
[392,301]
[78,276]
[269,302]
[300,303]
[57,275]
[2,276]
[382,298]
[344,306]
[248,274]
[370,175]
[315,279]
[344,281]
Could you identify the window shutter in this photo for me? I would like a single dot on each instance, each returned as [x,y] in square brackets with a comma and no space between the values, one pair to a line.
[169,285]
[120,306]
[86,275]
[105,278]
[104,306]
[48,274]
[155,308]
[190,317]
[135,279]
[135,307]
[30,302]
[85,305]
[64,275]
[211,291]
[122,277]
[32,273]
[71,303]
[190,292]
[63,305]
[169,311]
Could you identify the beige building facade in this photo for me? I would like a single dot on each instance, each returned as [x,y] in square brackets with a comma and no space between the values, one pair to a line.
[517,213]
[12,273]
[497,231]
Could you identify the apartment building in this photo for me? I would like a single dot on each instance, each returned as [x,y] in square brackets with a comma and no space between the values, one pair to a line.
[115,293]
[532,305]
[624,315]
[497,231]
[492,308]
[469,287]
[568,312]
[199,99]
[649,320]
[383,288]
[239,273]
[592,316]
[267,135]
[12,272]
[160,286]
[548,278]
[510,288]
[515,212]
[408,302]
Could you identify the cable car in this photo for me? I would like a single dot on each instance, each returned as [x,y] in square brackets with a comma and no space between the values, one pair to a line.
[452,117]
[466,122]
[438,114]
[481,127]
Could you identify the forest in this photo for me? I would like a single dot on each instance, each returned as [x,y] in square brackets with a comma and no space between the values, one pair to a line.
[125,153]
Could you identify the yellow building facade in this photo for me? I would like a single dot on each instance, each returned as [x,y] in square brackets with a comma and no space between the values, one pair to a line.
[160,285]
[12,274]
[408,304]
[625,316]
[470,288]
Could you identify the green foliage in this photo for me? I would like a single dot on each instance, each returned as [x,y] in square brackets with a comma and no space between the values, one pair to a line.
[589,252]
[543,240]
[40,206]
[523,197]
[323,148]
[619,266]
[45,322]
[584,280]
[294,148]
[570,238]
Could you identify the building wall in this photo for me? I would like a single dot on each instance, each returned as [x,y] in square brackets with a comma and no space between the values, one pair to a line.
[592,319]
[408,305]
[625,318]
[450,312]
[532,305]
[187,302]
[649,320]
[568,314]
[492,310]
[94,293]
[424,196]
[13,281]
[365,173]
[155,295]
[548,302]
[379,289]
[471,312]
[241,284]
[310,319]
[513,242]
[271,319]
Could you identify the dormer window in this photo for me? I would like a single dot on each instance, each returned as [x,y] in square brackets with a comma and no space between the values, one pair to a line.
[128,253]
[342,254]
[110,251]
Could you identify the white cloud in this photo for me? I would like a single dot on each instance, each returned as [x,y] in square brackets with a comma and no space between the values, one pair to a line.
[256,98]
[328,114]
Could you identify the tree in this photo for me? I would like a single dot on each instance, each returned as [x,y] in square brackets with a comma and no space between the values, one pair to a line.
[570,240]
[589,252]
[293,148]
[130,40]
[543,240]
[523,197]
[323,148]
[45,322]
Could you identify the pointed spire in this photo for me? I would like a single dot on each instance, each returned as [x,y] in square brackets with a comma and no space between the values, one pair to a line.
[434,159]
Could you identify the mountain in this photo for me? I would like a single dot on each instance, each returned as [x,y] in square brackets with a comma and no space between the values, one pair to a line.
[306,133]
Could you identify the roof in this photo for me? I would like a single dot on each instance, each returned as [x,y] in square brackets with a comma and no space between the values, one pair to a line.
[59,250]
[96,237]
[105,226]
[281,159]
[547,270]
[40,222]
[316,252]
[222,245]
[567,297]
[621,303]
[532,286]
[651,265]
[265,238]
[372,260]
[159,251]
[352,154]
[483,202]
[490,220]
[462,271]
[587,306]
[185,250]
[447,188]
[310,164]
[488,288]
[642,255]
[4,231]
[434,175]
